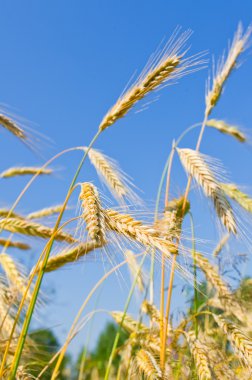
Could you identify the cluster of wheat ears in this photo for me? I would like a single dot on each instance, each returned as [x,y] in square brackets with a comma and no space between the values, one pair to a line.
[212,341]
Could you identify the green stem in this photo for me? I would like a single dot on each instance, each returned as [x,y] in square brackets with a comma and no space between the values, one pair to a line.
[31,307]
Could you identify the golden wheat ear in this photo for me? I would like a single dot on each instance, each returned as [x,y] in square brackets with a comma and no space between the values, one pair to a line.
[161,69]
[147,365]
[195,165]
[233,192]
[24,170]
[226,65]
[114,178]
[227,129]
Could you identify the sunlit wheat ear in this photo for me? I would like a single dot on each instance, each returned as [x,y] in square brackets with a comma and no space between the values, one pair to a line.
[70,255]
[45,212]
[239,341]
[232,191]
[199,354]
[135,269]
[12,127]
[225,67]
[14,244]
[151,311]
[133,229]
[231,130]
[13,274]
[109,171]
[166,66]
[147,365]
[129,324]
[8,213]
[27,227]
[92,212]
[221,245]
[195,165]
[24,170]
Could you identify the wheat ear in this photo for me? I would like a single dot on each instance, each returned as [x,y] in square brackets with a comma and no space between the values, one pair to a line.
[199,354]
[232,191]
[113,177]
[135,269]
[152,311]
[221,244]
[27,227]
[195,164]
[24,170]
[48,211]
[147,365]
[12,127]
[168,66]
[13,274]
[227,129]
[8,213]
[92,212]
[14,244]
[240,342]
[225,67]
[129,324]
[69,256]
[133,229]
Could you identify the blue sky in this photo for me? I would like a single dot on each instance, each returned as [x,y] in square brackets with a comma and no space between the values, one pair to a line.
[63,64]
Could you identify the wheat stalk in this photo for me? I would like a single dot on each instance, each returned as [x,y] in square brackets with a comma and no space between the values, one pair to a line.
[70,255]
[24,170]
[232,191]
[48,211]
[199,354]
[133,229]
[14,244]
[195,164]
[240,342]
[167,66]
[225,67]
[26,227]
[147,365]
[92,212]
[227,129]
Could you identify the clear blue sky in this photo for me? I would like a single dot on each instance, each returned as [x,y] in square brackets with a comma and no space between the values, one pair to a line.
[63,64]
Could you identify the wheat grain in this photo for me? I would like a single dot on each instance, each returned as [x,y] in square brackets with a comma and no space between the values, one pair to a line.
[232,191]
[227,129]
[199,354]
[225,67]
[240,342]
[24,170]
[133,229]
[92,212]
[26,227]
[14,244]
[69,256]
[195,164]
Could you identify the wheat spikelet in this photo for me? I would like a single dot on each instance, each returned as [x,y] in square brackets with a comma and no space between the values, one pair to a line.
[24,170]
[232,191]
[135,269]
[220,245]
[147,365]
[199,354]
[152,311]
[133,229]
[70,255]
[26,227]
[12,127]
[239,341]
[225,67]
[167,66]
[13,274]
[113,177]
[92,212]
[228,129]
[194,164]
[14,244]
[45,212]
